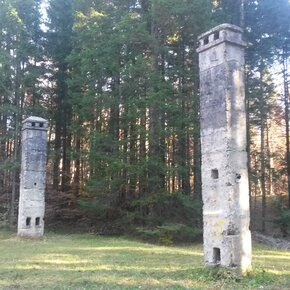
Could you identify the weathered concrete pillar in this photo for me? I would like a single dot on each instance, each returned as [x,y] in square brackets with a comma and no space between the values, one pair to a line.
[227,239]
[32,179]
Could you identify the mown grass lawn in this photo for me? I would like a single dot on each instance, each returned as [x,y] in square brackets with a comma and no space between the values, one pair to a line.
[84,261]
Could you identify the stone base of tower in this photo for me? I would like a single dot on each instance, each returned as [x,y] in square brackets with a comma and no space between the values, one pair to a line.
[37,233]
[232,251]
[30,219]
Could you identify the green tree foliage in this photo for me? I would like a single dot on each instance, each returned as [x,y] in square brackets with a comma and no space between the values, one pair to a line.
[58,46]
[20,85]
[229,11]
[134,89]
[118,81]
[266,29]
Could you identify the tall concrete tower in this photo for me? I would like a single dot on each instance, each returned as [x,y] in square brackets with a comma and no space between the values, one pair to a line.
[227,239]
[32,179]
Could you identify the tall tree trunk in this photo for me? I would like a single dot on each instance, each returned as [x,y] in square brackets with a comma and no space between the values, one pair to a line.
[248,148]
[263,175]
[15,171]
[143,177]
[286,104]
[3,132]
[77,165]
[133,159]
[66,140]
[197,184]
[183,144]
[156,116]
[57,149]
[269,169]
[114,129]
[184,179]
[262,152]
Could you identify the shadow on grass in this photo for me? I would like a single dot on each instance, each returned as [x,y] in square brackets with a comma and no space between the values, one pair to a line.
[46,266]
[90,262]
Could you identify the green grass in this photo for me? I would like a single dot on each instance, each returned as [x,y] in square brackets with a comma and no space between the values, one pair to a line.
[84,261]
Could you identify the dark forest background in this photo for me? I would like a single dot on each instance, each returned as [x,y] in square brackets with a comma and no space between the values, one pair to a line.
[118,82]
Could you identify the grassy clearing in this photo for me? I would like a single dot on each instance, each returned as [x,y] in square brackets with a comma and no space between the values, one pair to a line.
[83,261]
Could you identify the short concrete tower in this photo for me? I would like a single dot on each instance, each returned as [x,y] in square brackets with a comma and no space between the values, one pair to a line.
[32,179]
[225,193]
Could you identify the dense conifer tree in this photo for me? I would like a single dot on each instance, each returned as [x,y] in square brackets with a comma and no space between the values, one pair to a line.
[118,81]
[19,85]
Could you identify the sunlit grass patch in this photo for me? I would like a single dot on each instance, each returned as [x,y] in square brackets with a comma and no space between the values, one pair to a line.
[84,261]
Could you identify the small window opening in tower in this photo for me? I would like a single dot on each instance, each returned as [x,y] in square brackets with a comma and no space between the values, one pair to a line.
[33,124]
[34,183]
[206,40]
[216,35]
[28,221]
[40,125]
[217,255]
[37,221]
[214,173]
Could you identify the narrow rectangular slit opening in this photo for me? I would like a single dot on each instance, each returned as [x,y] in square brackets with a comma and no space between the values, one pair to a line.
[37,221]
[216,35]
[28,221]
[216,255]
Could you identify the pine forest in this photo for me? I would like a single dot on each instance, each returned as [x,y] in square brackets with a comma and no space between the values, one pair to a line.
[118,81]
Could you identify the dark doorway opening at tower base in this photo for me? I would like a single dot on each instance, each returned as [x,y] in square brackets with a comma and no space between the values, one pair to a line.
[217,256]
